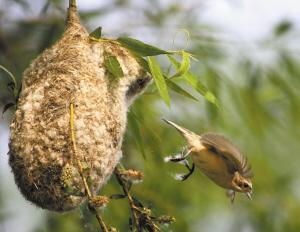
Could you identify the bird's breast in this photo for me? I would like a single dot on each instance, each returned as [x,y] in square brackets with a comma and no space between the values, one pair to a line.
[213,166]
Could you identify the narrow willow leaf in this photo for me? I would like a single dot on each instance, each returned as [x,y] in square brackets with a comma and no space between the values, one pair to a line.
[142,62]
[130,224]
[18,93]
[184,66]
[96,33]
[11,86]
[45,8]
[150,130]
[12,77]
[73,191]
[117,196]
[198,86]
[137,133]
[129,184]
[113,66]
[140,47]
[85,169]
[137,202]
[176,88]
[159,79]
[7,106]
[89,181]
[193,81]
[283,27]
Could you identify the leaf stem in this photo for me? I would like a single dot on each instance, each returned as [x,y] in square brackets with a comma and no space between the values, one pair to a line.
[12,77]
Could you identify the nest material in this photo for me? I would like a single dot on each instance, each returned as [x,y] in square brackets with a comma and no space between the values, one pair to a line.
[73,70]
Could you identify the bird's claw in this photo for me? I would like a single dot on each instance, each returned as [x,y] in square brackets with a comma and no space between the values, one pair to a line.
[231,195]
[191,170]
[179,157]
[183,177]
[248,194]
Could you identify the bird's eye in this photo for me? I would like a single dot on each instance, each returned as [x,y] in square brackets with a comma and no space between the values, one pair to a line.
[213,150]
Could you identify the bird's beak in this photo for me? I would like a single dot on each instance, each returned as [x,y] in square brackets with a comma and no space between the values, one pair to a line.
[190,136]
[248,194]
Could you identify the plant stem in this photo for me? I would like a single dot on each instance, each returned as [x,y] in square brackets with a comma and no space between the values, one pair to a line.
[72,3]
[81,171]
[129,197]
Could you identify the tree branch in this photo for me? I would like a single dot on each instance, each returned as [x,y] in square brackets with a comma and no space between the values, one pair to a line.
[129,197]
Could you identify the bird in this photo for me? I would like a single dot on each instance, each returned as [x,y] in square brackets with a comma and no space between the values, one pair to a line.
[218,159]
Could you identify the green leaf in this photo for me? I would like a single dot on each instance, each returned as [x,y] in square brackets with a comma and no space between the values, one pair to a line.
[176,88]
[96,33]
[117,196]
[141,121]
[140,47]
[137,132]
[73,191]
[85,169]
[142,62]
[193,81]
[7,106]
[89,181]
[12,77]
[113,66]
[159,79]
[200,88]
[184,66]
[283,27]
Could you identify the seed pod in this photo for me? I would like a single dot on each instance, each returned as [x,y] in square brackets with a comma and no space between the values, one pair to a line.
[75,70]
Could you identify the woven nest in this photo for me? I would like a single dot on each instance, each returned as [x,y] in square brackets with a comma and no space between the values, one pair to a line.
[41,154]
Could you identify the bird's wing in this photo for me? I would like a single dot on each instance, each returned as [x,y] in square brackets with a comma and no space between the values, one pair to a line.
[233,158]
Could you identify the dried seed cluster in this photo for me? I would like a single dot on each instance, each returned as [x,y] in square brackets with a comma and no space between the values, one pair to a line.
[41,155]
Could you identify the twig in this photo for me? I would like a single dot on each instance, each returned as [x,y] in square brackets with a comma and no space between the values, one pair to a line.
[81,171]
[72,3]
[129,197]
[143,220]
[73,17]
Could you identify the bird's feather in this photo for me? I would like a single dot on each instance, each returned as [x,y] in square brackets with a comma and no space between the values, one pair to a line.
[191,137]
[234,159]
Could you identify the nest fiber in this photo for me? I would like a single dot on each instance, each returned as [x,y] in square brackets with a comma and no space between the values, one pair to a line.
[73,70]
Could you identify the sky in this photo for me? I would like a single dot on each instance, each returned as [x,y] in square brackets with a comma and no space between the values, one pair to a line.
[251,19]
[247,19]
[244,20]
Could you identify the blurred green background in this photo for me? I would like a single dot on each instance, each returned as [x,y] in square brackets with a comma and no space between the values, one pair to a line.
[259,110]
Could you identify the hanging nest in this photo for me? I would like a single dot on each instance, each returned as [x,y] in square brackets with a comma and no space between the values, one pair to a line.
[73,70]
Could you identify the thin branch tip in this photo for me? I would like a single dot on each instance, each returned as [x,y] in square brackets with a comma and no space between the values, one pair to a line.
[72,3]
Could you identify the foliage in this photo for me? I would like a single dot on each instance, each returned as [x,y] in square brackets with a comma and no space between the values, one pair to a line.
[258,109]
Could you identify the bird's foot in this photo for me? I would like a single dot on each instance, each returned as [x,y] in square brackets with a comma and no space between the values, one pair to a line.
[183,177]
[191,170]
[179,158]
[182,159]
[231,194]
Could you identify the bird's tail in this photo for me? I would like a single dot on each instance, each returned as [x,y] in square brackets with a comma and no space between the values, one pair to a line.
[192,138]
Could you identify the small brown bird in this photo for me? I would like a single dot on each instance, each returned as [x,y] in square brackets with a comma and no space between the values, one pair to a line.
[218,159]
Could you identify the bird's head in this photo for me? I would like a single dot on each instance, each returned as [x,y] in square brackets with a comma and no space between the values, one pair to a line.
[242,184]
